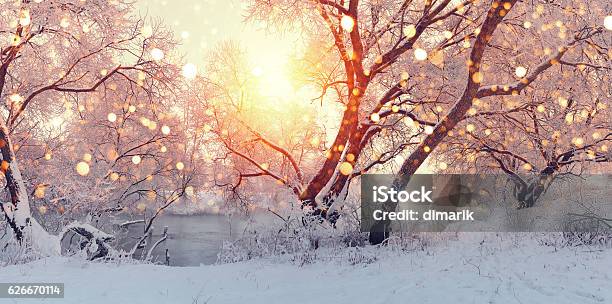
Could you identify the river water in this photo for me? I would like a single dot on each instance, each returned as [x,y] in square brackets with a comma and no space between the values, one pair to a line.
[192,239]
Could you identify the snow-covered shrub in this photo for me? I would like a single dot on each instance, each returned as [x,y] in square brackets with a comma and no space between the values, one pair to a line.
[581,233]
[588,238]
[359,256]
[592,232]
[14,252]
[300,240]
[291,237]
[354,238]
[588,229]
[11,251]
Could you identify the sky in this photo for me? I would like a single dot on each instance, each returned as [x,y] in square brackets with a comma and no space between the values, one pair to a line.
[204,23]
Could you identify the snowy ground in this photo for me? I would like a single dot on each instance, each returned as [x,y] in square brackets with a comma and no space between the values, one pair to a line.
[465,271]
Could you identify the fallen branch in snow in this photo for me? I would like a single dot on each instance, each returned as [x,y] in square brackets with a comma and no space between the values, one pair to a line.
[96,239]
[86,230]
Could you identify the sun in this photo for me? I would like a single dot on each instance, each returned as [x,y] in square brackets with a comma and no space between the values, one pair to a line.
[270,71]
[272,78]
[275,83]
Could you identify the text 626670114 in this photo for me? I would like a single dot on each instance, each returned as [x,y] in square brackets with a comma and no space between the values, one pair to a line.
[31,290]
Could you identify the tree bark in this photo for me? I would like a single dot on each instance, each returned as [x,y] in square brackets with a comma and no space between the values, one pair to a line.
[494,17]
[17,212]
[528,194]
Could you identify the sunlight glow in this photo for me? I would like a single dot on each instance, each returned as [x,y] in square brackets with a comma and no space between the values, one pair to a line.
[15,98]
[146,31]
[272,75]
[157,54]
[82,168]
[190,71]
[347,23]
[420,54]
[346,168]
[136,159]
[375,117]
[520,71]
[57,121]
[257,71]
[24,18]
[65,22]
[608,23]
[410,31]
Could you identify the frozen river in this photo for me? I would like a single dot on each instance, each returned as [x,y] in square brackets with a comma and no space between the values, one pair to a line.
[192,239]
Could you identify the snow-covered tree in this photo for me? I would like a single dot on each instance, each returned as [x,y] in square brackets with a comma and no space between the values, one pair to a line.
[408,72]
[86,86]
[558,125]
[254,135]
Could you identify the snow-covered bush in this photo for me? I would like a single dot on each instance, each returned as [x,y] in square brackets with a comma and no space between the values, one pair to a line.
[293,236]
[598,238]
[302,240]
[588,238]
[11,252]
[582,230]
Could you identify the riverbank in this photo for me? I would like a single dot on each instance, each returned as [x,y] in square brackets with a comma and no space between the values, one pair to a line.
[487,271]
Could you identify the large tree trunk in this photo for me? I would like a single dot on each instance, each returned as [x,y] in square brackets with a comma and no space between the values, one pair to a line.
[332,191]
[380,231]
[335,191]
[337,153]
[528,194]
[328,188]
[27,229]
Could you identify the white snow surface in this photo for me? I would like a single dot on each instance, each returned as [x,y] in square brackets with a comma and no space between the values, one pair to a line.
[467,270]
